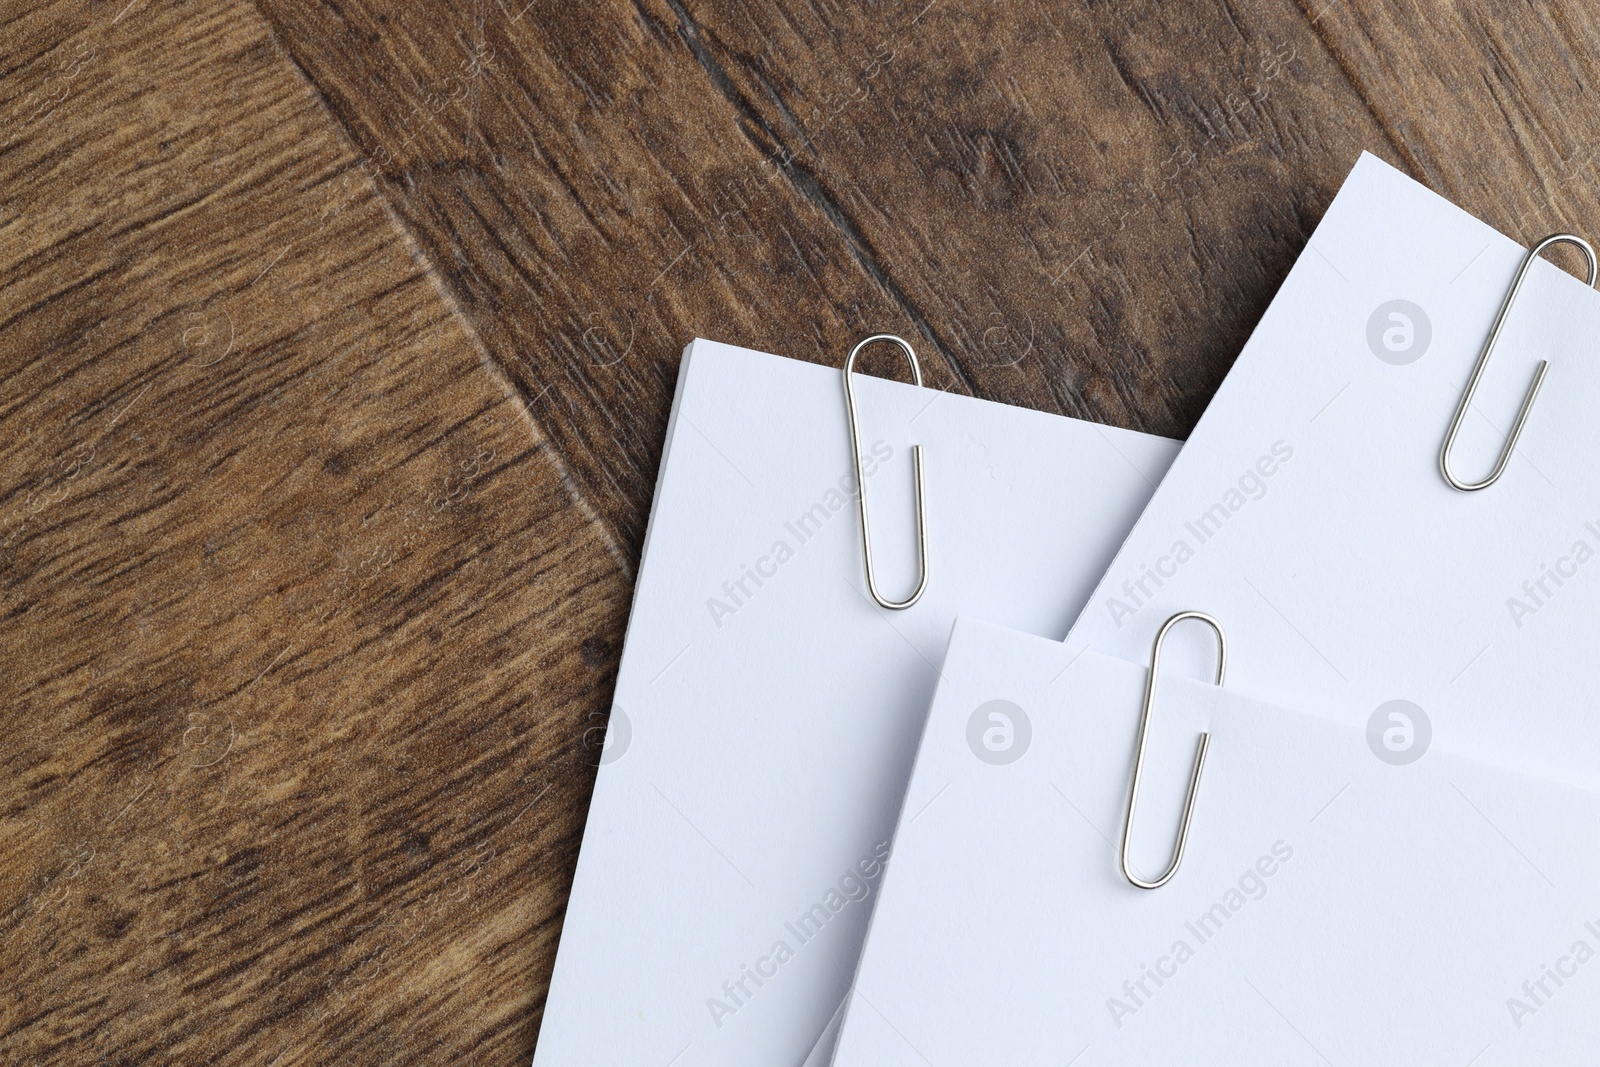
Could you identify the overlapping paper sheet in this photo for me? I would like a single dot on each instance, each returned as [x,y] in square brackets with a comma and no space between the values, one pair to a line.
[767,712]
[1308,513]
[1338,904]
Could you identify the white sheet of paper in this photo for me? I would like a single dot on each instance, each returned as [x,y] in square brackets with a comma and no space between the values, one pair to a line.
[1333,907]
[1308,512]
[767,712]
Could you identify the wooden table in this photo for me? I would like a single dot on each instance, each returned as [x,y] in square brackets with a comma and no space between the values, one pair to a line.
[337,342]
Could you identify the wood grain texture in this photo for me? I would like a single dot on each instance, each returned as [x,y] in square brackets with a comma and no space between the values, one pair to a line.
[1492,105]
[302,629]
[337,343]
[1082,208]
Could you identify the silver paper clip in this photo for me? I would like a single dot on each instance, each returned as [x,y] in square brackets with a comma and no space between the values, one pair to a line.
[1483,362]
[1144,733]
[861,478]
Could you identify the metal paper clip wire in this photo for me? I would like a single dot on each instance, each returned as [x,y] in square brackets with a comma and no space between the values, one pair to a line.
[861,478]
[1199,756]
[1483,361]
